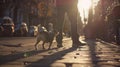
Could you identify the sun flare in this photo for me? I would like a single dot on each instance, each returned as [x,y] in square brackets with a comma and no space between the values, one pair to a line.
[83,7]
[84,4]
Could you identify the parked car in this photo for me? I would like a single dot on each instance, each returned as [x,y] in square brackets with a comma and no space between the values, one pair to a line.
[21,29]
[33,31]
[7,26]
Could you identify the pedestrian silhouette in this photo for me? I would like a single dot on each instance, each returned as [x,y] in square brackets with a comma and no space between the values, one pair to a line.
[69,7]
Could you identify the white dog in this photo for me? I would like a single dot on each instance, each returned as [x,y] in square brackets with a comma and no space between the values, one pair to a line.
[45,35]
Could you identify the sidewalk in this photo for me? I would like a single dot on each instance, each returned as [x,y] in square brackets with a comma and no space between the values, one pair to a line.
[93,54]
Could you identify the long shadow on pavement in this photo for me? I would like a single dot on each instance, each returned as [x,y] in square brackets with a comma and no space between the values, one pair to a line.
[92,46]
[13,57]
[48,60]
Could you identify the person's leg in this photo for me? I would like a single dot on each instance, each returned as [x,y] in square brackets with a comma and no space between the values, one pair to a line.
[72,13]
[59,25]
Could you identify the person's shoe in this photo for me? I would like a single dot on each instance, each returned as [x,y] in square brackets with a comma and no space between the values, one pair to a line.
[59,45]
[82,44]
[78,44]
[75,45]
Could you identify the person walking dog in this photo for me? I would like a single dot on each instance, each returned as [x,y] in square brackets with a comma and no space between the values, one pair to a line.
[69,7]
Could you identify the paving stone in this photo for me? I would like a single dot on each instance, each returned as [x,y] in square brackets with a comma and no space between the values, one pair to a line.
[107,66]
[58,65]
[12,66]
[83,65]
[114,63]
[15,63]
[73,61]
[31,59]
[90,55]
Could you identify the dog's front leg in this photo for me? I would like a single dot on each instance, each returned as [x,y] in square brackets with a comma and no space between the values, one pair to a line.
[36,44]
[50,45]
[43,44]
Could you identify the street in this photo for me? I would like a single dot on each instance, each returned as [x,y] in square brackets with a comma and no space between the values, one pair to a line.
[20,52]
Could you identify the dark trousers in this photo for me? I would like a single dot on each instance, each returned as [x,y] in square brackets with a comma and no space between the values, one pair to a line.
[72,12]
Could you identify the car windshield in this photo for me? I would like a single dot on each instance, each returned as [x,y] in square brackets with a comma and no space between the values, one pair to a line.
[6,21]
[32,28]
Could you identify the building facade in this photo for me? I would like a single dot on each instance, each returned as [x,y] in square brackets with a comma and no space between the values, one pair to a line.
[26,10]
[101,24]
